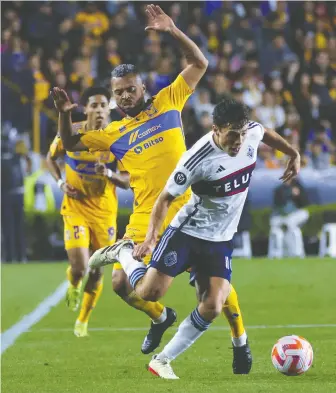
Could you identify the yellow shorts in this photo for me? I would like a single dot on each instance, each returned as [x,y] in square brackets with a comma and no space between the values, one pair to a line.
[81,232]
[138,225]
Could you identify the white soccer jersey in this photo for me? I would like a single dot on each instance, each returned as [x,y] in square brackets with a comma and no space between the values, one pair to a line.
[219,186]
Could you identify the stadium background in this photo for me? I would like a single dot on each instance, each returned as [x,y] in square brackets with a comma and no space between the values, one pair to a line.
[278,58]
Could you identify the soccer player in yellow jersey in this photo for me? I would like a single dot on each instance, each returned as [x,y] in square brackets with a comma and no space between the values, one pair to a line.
[90,204]
[148,143]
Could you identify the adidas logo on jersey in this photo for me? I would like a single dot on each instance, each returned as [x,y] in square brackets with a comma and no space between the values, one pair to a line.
[220,169]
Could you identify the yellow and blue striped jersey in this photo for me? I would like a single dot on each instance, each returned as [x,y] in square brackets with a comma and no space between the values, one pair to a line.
[149,145]
[99,194]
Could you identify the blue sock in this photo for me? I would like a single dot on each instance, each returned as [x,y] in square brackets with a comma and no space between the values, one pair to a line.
[198,321]
[188,332]
[137,275]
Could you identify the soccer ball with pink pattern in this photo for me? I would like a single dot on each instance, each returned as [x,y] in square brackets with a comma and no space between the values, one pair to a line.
[292,355]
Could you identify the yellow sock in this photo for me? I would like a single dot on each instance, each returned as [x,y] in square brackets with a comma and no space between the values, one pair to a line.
[152,309]
[232,312]
[89,302]
[71,279]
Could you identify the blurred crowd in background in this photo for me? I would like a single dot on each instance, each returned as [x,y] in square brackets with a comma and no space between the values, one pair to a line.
[277,57]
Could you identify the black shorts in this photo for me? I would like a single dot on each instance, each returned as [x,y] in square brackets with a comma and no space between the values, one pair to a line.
[176,252]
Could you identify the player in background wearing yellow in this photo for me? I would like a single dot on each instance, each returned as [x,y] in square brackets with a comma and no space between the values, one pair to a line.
[148,142]
[90,204]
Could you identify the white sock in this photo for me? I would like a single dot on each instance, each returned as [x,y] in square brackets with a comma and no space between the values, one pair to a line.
[133,268]
[188,332]
[239,341]
[161,318]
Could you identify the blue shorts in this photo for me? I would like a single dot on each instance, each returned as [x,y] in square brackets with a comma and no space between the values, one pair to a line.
[176,252]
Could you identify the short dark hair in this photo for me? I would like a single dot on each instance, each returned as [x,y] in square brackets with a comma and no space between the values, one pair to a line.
[124,69]
[94,91]
[230,112]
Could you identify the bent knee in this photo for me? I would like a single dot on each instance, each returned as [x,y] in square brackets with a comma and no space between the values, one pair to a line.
[119,282]
[213,308]
[150,294]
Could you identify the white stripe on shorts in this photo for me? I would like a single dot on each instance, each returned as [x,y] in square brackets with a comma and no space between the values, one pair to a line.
[163,243]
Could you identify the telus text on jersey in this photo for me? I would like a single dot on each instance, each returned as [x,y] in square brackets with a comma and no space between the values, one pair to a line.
[231,184]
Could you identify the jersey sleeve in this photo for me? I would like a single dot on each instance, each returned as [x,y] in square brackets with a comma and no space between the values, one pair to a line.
[182,178]
[56,148]
[176,94]
[96,140]
[120,167]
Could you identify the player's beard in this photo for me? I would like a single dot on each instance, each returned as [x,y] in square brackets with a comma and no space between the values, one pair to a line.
[135,110]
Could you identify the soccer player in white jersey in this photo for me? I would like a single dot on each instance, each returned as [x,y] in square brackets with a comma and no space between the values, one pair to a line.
[218,168]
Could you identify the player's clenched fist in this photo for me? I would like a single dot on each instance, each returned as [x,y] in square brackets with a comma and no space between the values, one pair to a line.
[292,168]
[61,100]
[101,169]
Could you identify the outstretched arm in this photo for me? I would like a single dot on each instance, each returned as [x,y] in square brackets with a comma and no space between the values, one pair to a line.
[197,62]
[71,142]
[274,140]
[158,215]
[178,183]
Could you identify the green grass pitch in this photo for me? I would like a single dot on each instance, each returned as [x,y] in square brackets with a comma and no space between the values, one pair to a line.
[50,359]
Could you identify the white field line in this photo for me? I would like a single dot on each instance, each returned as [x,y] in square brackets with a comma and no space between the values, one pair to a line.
[9,337]
[220,328]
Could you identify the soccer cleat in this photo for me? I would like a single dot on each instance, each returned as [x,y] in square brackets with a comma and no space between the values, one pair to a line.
[242,359]
[156,331]
[161,368]
[108,255]
[72,297]
[81,329]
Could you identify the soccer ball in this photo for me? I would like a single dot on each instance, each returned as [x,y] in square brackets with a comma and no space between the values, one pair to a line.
[292,355]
